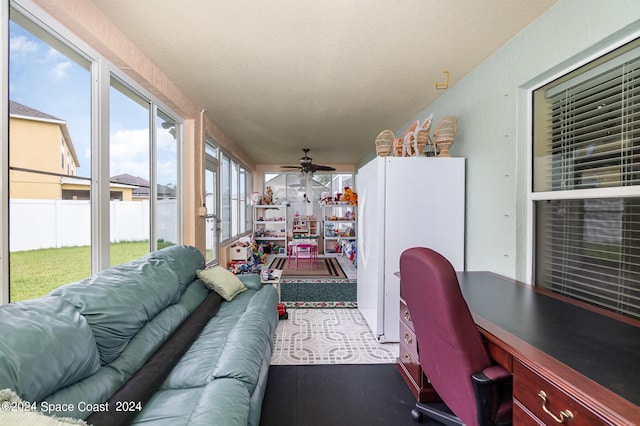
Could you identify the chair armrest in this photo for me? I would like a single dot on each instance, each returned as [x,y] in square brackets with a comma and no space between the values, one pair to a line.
[486,385]
[491,375]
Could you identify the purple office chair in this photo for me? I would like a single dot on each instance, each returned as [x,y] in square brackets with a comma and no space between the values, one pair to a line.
[451,351]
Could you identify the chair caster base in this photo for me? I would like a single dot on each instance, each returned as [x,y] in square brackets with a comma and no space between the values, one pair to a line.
[416,415]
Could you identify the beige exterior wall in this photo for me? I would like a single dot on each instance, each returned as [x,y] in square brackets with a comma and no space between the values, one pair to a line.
[127,193]
[37,145]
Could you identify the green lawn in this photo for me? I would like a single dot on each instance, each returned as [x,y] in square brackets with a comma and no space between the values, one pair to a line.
[34,273]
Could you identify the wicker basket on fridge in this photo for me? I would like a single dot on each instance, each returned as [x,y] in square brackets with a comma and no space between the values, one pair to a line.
[443,135]
[384,143]
[422,137]
[402,147]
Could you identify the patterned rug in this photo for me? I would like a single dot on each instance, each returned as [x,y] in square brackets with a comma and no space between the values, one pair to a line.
[329,336]
[327,268]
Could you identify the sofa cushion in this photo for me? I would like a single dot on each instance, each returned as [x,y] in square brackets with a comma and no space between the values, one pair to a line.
[221,402]
[102,385]
[207,358]
[242,355]
[195,367]
[118,301]
[146,381]
[222,282]
[45,345]
[184,260]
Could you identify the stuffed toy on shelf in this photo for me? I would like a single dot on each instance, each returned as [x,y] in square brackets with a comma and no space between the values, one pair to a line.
[349,196]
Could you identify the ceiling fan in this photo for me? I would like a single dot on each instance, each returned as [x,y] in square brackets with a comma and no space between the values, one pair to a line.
[306,166]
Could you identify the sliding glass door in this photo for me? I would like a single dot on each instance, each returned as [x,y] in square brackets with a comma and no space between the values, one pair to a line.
[212,187]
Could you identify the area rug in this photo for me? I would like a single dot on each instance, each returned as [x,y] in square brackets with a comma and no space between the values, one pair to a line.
[329,336]
[319,294]
[326,268]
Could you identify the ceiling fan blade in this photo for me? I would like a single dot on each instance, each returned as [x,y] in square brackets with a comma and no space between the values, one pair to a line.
[306,166]
[318,168]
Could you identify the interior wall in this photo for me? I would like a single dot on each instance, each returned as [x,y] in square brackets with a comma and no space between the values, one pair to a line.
[492,110]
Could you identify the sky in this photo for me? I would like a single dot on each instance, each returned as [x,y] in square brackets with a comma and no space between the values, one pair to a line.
[49,81]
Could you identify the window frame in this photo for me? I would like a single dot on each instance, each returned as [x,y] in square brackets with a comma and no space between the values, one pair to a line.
[242,225]
[596,53]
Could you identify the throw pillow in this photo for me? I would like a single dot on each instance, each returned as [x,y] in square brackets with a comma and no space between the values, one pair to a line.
[222,282]
[17,412]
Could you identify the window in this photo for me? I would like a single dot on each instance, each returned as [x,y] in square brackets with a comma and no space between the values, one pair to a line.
[129,165]
[293,187]
[225,198]
[234,186]
[63,228]
[243,204]
[586,183]
[168,134]
[212,204]
[49,116]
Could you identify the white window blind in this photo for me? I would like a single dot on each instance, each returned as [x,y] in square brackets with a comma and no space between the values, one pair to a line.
[587,136]
[588,249]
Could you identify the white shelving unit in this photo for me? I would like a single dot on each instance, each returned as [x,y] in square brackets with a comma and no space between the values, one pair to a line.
[339,222]
[270,225]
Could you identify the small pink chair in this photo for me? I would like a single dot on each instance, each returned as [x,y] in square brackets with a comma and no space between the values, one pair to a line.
[306,251]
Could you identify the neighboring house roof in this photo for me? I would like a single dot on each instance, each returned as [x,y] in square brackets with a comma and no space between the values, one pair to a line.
[87,183]
[24,112]
[17,109]
[143,185]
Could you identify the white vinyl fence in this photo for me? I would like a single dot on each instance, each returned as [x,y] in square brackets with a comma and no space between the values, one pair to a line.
[36,224]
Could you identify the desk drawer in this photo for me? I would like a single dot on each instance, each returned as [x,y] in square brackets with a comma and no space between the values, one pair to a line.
[405,317]
[527,386]
[410,363]
[523,417]
[408,340]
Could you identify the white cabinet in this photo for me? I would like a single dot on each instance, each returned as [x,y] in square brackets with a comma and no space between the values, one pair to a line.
[404,202]
[338,223]
[270,226]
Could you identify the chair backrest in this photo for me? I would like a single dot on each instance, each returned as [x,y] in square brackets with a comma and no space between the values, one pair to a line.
[450,346]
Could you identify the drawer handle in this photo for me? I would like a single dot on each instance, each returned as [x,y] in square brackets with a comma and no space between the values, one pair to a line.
[564,414]
[407,338]
[407,316]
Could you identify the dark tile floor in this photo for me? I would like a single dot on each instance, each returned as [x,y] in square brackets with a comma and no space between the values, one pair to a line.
[340,395]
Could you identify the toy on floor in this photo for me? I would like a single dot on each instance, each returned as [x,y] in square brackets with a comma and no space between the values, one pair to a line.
[282,311]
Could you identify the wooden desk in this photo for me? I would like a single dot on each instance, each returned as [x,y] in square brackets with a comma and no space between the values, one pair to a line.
[586,362]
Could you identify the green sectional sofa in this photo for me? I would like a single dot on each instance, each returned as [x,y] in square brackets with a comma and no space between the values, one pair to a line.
[145,342]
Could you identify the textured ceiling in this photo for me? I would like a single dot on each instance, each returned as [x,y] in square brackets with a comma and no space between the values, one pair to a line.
[279,76]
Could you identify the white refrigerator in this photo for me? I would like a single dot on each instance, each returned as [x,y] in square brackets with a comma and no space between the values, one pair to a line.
[404,202]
